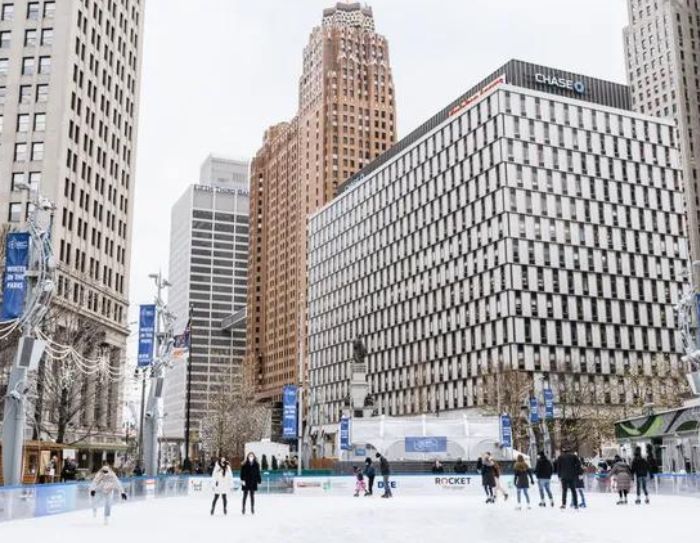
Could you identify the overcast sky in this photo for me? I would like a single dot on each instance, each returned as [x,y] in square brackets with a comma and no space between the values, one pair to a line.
[216,73]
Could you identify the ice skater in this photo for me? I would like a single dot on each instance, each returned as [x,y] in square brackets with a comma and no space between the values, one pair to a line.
[359,482]
[370,473]
[222,482]
[498,488]
[543,472]
[568,468]
[640,470]
[622,475]
[485,467]
[250,479]
[385,471]
[522,478]
[103,486]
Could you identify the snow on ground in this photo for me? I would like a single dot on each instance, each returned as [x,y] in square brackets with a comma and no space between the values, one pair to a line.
[290,519]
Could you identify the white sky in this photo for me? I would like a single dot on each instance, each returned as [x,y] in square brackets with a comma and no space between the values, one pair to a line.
[216,73]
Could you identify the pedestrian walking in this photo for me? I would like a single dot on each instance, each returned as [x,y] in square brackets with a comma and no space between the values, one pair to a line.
[102,489]
[522,478]
[641,470]
[250,479]
[498,488]
[222,480]
[370,473]
[385,471]
[359,481]
[622,474]
[543,471]
[485,466]
[568,468]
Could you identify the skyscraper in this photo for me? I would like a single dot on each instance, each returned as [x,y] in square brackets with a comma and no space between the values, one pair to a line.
[208,271]
[662,59]
[69,100]
[346,118]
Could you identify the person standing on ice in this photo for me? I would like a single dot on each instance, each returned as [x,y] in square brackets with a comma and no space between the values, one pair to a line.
[581,485]
[359,481]
[568,468]
[622,474]
[250,479]
[485,466]
[499,487]
[370,473]
[640,470]
[522,478]
[543,472]
[385,471]
[103,486]
[222,481]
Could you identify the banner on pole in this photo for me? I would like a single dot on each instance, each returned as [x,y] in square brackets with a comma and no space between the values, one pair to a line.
[548,404]
[289,412]
[147,334]
[697,321]
[534,411]
[506,431]
[14,289]
[345,434]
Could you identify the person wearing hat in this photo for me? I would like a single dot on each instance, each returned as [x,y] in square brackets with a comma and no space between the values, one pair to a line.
[103,486]
[222,481]
[385,471]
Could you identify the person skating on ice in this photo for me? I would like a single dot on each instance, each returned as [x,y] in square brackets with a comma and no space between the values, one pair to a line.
[622,474]
[102,489]
[385,471]
[640,470]
[498,487]
[568,468]
[370,473]
[222,480]
[485,466]
[250,479]
[522,478]
[359,481]
[543,472]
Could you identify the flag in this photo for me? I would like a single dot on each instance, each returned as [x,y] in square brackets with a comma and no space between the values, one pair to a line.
[181,347]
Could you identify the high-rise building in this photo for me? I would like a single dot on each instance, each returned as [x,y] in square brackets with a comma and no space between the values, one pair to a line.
[662,60]
[208,272]
[69,100]
[533,227]
[346,118]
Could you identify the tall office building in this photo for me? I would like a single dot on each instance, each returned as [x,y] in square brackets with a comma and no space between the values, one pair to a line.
[69,99]
[534,225]
[662,46]
[208,271]
[346,118]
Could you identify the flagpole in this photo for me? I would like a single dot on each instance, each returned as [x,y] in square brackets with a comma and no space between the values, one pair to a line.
[187,463]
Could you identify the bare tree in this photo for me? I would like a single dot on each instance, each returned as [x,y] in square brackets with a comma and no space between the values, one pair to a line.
[513,388]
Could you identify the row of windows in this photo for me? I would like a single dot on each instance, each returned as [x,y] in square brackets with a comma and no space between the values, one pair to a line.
[34,12]
[32,37]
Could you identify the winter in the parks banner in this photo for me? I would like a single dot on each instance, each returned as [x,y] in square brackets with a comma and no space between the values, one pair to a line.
[345,444]
[289,412]
[147,333]
[15,282]
[534,411]
[506,431]
[548,404]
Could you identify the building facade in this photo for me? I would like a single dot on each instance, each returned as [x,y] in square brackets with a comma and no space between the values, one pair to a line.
[346,118]
[662,51]
[69,100]
[534,226]
[208,272]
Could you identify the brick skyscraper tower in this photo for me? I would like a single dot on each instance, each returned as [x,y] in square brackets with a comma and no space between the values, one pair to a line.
[346,118]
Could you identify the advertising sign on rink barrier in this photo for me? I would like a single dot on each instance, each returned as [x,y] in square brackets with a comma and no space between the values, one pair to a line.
[408,485]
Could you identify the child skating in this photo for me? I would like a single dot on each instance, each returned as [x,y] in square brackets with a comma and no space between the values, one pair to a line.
[359,482]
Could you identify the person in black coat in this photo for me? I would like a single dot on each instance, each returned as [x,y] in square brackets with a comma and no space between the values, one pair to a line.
[250,479]
[370,473]
[69,471]
[543,471]
[640,471]
[461,467]
[486,466]
[385,470]
[568,468]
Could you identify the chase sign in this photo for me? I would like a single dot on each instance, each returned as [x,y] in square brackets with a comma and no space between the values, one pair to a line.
[577,86]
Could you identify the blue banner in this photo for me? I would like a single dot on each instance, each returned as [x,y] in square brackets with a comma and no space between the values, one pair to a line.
[14,288]
[506,431]
[345,444]
[425,444]
[534,411]
[54,499]
[147,334]
[548,404]
[289,412]
[697,321]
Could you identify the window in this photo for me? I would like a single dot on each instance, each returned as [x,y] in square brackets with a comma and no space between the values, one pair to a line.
[44,65]
[28,65]
[47,36]
[37,151]
[5,39]
[20,152]
[15,214]
[30,38]
[34,180]
[17,180]
[33,10]
[4,64]
[23,122]
[8,12]
[25,94]
[2,123]
[39,122]
[3,93]
[49,9]
[42,93]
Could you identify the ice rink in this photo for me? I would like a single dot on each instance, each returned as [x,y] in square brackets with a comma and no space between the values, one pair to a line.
[332,519]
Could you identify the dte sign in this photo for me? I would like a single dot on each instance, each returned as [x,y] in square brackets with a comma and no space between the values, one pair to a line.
[561,82]
[392,484]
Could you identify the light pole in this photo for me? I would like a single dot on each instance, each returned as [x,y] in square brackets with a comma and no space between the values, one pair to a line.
[187,464]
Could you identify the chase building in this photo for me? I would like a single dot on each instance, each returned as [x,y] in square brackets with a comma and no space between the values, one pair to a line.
[533,227]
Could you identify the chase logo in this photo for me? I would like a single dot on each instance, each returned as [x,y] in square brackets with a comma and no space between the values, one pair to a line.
[577,86]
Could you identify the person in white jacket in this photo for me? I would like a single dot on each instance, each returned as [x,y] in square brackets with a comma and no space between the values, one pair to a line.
[222,481]
[104,485]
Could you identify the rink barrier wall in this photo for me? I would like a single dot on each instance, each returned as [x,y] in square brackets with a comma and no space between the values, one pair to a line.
[28,501]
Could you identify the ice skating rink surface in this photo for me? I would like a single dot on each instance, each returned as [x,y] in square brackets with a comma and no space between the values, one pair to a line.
[432,519]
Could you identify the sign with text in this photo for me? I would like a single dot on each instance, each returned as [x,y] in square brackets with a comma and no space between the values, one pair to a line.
[534,411]
[147,334]
[289,412]
[506,431]
[426,444]
[14,289]
[548,404]
[345,444]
